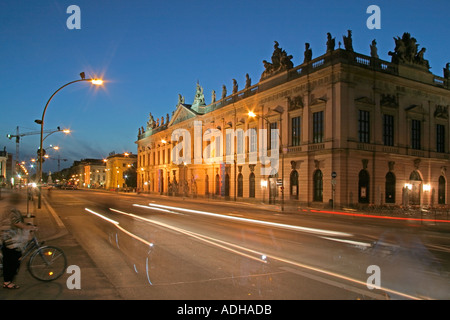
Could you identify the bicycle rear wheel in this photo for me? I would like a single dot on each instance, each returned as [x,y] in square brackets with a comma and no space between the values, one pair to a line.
[47,263]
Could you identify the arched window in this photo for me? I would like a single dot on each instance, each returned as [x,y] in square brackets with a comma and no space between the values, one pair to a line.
[363,186]
[251,185]
[441,190]
[240,188]
[294,184]
[318,186]
[390,188]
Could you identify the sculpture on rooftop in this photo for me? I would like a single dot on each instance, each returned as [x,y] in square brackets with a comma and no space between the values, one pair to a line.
[224,91]
[406,52]
[150,122]
[447,71]
[373,49]
[248,81]
[199,99]
[280,62]
[308,53]
[348,42]
[331,43]
[235,86]
[180,99]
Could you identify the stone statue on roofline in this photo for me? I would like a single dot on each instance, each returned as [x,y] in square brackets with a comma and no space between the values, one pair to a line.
[199,99]
[248,81]
[373,49]
[280,62]
[331,43]
[447,71]
[406,52]
[348,42]
[224,91]
[308,53]
[150,122]
[180,99]
[235,86]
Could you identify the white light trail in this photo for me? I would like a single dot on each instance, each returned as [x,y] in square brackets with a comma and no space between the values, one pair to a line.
[116,224]
[262,257]
[216,242]
[265,223]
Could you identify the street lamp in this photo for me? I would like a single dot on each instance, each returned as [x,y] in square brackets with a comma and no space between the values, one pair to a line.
[41,122]
[278,110]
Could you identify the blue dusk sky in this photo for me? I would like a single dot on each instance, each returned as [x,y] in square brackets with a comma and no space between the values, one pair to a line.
[149,51]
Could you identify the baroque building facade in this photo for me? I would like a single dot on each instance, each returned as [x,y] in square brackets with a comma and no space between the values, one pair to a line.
[348,129]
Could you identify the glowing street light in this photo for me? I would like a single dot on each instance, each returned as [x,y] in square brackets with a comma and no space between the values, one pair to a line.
[97,82]
[41,122]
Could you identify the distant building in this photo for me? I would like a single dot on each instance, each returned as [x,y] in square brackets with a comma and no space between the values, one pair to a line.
[354,129]
[88,173]
[117,168]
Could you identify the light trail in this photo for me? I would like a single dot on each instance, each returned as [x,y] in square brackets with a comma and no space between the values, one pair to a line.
[116,224]
[264,257]
[265,223]
[215,242]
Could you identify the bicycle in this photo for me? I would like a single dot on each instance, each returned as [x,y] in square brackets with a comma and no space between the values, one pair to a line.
[46,263]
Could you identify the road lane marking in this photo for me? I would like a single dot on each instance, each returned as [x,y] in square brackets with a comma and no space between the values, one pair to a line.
[54,214]
[265,223]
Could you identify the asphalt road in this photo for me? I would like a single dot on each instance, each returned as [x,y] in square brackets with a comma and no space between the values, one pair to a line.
[160,248]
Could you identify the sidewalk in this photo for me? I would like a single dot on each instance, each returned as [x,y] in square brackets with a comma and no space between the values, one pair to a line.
[53,232]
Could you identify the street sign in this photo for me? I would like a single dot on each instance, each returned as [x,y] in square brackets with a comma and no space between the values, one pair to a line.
[334,174]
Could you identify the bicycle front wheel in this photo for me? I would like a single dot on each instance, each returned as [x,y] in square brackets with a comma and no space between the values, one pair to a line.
[47,263]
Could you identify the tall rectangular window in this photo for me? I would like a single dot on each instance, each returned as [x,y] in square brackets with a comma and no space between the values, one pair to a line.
[253,140]
[273,136]
[364,126]
[228,142]
[415,134]
[388,130]
[318,127]
[240,141]
[295,132]
[440,138]
[218,150]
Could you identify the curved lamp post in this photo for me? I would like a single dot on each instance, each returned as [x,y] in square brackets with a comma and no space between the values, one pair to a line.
[41,122]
